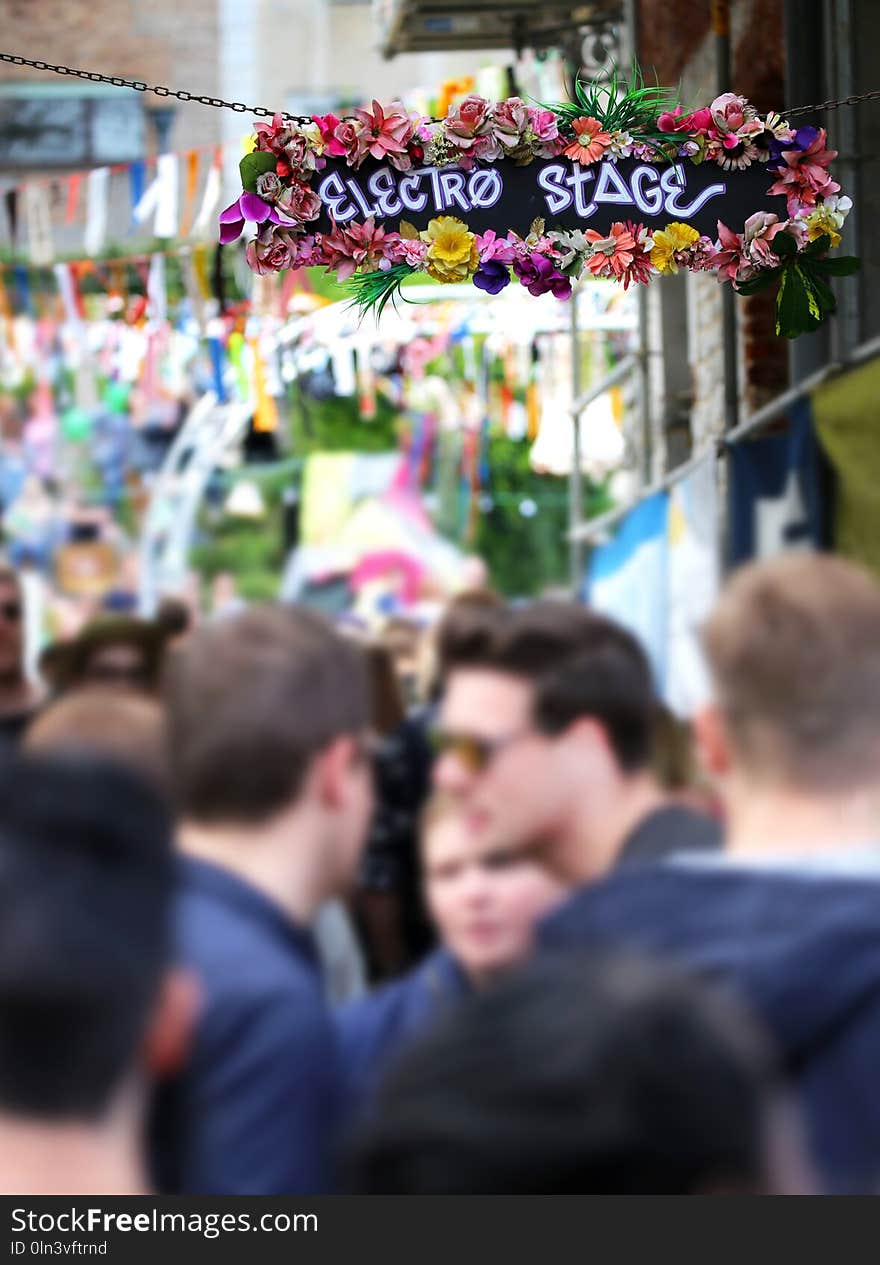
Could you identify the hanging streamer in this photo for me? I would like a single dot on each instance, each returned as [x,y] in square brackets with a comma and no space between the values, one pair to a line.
[97,191]
[23,289]
[192,184]
[157,298]
[74,184]
[200,268]
[215,348]
[160,200]
[137,174]
[204,223]
[38,219]
[11,200]
[265,412]
[67,289]
[193,289]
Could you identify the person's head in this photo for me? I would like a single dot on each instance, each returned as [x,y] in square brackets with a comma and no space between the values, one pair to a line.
[793,647]
[126,727]
[268,713]
[112,652]
[465,631]
[11,629]
[88,1005]
[541,738]
[387,711]
[484,901]
[174,616]
[404,639]
[592,1077]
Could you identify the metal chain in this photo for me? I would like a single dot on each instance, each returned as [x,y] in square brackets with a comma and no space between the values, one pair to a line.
[833,105]
[139,86]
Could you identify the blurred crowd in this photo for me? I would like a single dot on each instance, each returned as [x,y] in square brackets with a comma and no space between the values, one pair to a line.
[286,908]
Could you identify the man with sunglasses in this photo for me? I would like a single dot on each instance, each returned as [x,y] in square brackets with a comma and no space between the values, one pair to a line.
[546,742]
[18,699]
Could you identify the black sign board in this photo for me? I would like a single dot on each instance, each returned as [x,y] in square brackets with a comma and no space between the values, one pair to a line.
[565,194]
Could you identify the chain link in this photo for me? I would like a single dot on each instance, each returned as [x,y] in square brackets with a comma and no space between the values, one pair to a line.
[261,111]
[833,105]
[139,86]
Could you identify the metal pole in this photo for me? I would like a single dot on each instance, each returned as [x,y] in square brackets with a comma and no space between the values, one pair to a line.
[721,33]
[575,483]
[631,19]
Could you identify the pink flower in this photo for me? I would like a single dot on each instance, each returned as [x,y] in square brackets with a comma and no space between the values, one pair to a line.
[387,133]
[351,142]
[728,258]
[491,246]
[356,246]
[268,186]
[473,118]
[273,249]
[271,137]
[758,234]
[804,177]
[469,130]
[300,151]
[639,270]
[405,250]
[545,126]
[510,120]
[730,113]
[327,125]
[676,121]
[299,202]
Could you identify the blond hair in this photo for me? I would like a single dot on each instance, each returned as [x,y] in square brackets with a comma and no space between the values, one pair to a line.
[794,648]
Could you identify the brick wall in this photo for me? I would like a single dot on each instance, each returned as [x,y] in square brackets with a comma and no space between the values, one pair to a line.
[677,43]
[169,42]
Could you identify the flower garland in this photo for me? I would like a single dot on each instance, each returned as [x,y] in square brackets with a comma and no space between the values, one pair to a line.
[606,123]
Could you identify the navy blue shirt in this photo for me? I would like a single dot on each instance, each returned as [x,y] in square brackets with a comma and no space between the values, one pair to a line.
[376,1030]
[801,948]
[255,1110]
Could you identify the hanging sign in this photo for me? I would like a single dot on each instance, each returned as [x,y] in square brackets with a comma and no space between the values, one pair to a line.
[619,184]
[559,192]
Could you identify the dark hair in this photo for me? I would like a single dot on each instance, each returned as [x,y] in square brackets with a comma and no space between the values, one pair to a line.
[86,877]
[251,701]
[581,664]
[465,632]
[576,1077]
[173,616]
[66,664]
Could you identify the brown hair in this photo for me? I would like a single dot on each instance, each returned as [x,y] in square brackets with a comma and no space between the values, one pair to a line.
[466,629]
[66,664]
[581,664]
[127,728]
[251,700]
[794,648]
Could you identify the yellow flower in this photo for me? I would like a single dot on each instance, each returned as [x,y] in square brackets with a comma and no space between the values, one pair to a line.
[452,250]
[249,144]
[819,222]
[667,241]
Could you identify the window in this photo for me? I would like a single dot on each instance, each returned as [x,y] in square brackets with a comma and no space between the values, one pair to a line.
[40,129]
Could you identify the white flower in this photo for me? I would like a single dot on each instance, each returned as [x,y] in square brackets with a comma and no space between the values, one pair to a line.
[570,244]
[620,146]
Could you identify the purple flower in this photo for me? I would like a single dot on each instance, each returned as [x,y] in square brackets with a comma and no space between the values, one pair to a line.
[802,139]
[247,207]
[492,276]
[541,276]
